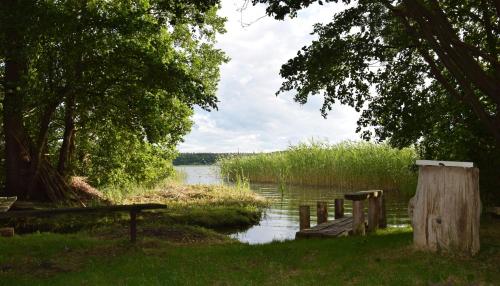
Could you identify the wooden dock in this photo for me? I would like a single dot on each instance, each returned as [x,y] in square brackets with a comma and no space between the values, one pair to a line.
[335,228]
[341,225]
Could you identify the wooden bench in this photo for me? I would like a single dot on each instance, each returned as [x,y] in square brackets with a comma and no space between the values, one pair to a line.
[376,210]
[6,203]
[133,210]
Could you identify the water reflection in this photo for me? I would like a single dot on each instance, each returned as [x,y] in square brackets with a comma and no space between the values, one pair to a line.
[193,175]
[281,220]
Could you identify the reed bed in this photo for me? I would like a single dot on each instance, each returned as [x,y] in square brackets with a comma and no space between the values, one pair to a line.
[344,166]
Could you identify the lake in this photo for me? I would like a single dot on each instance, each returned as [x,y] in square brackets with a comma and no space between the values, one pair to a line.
[280,220]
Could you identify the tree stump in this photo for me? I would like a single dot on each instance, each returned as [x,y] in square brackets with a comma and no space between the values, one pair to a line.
[446,209]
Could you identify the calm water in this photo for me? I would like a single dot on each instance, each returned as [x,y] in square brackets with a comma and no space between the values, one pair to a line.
[281,220]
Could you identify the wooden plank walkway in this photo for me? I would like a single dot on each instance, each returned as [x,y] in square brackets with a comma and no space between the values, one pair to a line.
[335,228]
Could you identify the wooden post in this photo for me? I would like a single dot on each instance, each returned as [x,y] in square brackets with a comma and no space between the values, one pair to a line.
[339,208]
[373,208]
[305,217]
[133,226]
[358,215]
[382,219]
[322,212]
[7,231]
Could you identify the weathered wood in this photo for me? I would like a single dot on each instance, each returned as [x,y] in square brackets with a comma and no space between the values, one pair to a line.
[447,209]
[373,213]
[132,209]
[358,224]
[357,196]
[7,231]
[363,195]
[382,218]
[304,217]
[335,228]
[444,163]
[322,212]
[133,226]
[104,209]
[339,208]
[6,203]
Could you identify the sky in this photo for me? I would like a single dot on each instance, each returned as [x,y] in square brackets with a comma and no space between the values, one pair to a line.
[250,118]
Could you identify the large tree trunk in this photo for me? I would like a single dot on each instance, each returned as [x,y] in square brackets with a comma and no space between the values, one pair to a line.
[446,209]
[29,175]
[68,137]
[17,157]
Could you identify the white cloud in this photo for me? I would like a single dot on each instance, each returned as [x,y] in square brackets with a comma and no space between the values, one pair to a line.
[250,117]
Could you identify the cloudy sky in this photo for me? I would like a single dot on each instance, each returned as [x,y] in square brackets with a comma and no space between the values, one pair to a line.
[250,117]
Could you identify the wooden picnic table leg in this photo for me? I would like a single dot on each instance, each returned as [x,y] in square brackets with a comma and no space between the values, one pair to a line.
[133,226]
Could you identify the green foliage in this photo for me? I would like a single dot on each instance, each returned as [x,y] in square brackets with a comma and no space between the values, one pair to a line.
[121,76]
[345,166]
[112,163]
[413,69]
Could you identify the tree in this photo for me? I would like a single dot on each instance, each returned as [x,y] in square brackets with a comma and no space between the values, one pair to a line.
[79,74]
[422,71]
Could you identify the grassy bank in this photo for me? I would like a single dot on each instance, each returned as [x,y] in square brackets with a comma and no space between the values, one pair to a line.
[209,206]
[345,166]
[383,259]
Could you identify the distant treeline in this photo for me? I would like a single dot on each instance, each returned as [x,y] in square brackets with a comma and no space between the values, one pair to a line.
[202,158]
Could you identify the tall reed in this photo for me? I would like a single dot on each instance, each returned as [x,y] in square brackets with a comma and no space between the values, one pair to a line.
[344,166]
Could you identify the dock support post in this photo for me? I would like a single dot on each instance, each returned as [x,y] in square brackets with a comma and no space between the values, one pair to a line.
[305,217]
[382,219]
[373,209]
[358,215]
[133,226]
[322,212]
[339,208]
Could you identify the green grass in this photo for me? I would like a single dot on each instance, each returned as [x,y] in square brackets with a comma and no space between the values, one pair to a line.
[344,166]
[175,194]
[383,259]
